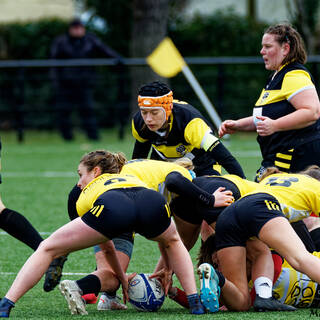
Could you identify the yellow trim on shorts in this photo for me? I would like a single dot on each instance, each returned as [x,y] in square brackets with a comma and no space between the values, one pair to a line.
[284,156]
[168,210]
[282,164]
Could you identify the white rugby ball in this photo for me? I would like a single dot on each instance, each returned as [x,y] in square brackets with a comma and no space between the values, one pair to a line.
[145,294]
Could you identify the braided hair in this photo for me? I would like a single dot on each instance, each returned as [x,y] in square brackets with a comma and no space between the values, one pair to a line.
[285,33]
[107,161]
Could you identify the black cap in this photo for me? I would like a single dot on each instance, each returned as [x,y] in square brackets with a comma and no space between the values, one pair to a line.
[154,89]
[76,22]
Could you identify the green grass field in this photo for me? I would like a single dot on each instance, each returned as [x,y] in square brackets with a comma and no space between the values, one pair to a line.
[37,176]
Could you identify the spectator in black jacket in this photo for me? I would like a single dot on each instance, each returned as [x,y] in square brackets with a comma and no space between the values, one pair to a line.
[74,85]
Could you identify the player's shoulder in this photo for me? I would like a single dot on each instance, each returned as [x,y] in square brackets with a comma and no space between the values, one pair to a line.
[296,70]
[185,111]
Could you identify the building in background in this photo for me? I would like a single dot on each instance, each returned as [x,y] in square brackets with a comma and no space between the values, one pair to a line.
[26,10]
[30,10]
[266,10]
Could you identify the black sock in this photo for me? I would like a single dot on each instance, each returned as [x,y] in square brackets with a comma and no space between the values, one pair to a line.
[20,228]
[301,229]
[89,284]
[315,235]
[222,279]
[111,295]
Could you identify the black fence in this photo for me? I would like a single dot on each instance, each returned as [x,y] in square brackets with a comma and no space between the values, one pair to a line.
[30,98]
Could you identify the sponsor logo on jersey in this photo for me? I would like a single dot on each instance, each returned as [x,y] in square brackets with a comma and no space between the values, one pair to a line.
[264,97]
[181,149]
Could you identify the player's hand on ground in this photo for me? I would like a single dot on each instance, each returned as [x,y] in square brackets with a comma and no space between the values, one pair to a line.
[165,277]
[227,127]
[223,197]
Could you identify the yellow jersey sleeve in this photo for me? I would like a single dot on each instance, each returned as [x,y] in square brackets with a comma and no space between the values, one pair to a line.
[199,134]
[136,134]
[83,204]
[294,82]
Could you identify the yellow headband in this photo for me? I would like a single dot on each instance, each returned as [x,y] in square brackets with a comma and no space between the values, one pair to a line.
[164,102]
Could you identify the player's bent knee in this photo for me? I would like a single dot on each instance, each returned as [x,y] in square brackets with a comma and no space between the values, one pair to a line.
[49,247]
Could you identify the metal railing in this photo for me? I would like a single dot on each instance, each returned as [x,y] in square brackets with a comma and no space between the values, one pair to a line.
[28,99]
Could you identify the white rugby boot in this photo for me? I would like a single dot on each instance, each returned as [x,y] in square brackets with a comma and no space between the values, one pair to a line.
[110,303]
[72,293]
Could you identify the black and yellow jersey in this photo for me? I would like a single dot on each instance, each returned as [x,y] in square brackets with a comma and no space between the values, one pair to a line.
[274,102]
[241,186]
[298,195]
[153,173]
[188,134]
[102,184]
[244,186]
[295,288]
[0,162]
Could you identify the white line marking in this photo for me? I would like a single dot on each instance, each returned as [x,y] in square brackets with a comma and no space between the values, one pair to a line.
[45,174]
[3,233]
[73,174]
[63,273]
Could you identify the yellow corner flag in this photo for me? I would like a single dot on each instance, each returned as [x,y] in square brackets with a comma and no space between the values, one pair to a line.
[166,60]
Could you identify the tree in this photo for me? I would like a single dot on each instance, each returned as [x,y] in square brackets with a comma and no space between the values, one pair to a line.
[150,20]
[304,15]
[252,10]
[118,17]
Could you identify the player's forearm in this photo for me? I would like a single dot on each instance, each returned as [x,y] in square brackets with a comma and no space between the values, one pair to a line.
[141,150]
[223,156]
[177,183]
[111,255]
[296,120]
[245,124]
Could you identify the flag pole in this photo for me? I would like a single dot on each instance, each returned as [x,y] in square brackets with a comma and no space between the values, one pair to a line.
[167,61]
[202,96]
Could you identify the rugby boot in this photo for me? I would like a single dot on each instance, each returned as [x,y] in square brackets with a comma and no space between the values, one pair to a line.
[54,273]
[195,306]
[5,307]
[270,304]
[107,302]
[209,287]
[72,293]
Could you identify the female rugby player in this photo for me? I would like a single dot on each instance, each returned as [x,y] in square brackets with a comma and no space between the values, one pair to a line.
[110,204]
[264,214]
[170,179]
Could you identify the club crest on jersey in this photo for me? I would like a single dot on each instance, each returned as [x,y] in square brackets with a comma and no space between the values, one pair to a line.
[181,149]
[264,97]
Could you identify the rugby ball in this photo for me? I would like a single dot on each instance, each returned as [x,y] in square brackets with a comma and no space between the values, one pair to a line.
[145,294]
